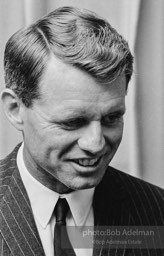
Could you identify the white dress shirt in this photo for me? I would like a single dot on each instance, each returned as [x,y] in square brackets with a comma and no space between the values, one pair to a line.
[43,201]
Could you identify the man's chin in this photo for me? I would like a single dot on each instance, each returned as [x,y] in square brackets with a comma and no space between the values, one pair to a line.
[87,184]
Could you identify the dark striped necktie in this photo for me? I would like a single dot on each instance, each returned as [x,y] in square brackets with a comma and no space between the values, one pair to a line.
[62,245]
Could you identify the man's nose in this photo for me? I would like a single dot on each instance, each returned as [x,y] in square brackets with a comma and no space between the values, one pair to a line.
[92,140]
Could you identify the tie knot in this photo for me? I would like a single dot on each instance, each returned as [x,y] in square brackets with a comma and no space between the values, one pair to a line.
[61,210]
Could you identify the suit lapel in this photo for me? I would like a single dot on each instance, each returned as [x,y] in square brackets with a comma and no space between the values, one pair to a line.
[18,227]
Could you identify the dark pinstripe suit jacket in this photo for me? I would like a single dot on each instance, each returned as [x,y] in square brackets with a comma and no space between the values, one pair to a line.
[119,200]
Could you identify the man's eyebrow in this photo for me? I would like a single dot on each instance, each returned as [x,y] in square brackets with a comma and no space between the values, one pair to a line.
[115,112]
[73,114]
[70,117]
[86,117]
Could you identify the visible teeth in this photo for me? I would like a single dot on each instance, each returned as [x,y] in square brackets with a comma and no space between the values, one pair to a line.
[87,162]
[84,162]
[93,161]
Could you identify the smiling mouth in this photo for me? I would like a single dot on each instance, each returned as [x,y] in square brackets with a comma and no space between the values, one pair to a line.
[87,162]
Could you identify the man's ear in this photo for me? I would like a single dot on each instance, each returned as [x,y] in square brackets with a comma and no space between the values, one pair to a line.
[12,108]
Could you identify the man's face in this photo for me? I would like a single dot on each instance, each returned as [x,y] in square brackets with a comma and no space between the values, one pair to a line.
[73,131]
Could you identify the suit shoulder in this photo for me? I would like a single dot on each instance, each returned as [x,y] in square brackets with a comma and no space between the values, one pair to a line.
[7,167]
[140,197]
[133,184]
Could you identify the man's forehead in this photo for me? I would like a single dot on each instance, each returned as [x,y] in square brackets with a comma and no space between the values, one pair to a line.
[63,81]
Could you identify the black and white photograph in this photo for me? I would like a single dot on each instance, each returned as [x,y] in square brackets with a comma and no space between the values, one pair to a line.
[82,128]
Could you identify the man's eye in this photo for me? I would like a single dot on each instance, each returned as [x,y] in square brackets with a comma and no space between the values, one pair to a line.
[74,124]
[112,120]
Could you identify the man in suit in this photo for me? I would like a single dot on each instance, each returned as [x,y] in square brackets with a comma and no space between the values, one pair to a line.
[66,81]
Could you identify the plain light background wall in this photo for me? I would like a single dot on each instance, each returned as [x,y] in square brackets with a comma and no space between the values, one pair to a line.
[141,22]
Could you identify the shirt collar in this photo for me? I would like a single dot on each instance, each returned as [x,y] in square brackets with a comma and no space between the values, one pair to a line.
[43,199]
[80,202]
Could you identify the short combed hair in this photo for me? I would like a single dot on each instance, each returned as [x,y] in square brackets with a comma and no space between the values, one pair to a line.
[77,37]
